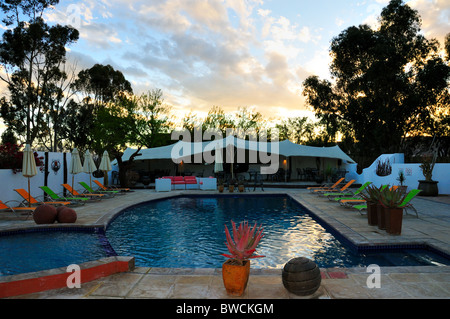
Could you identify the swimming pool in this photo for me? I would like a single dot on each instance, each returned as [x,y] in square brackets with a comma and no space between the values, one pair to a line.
[32,251]
[186,232]
[189,232]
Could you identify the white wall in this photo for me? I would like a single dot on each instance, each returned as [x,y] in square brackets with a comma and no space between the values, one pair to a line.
[412,172]
[10,181]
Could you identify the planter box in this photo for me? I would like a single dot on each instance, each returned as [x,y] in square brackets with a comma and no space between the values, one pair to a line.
[372,214]
[394,218]
[381,216]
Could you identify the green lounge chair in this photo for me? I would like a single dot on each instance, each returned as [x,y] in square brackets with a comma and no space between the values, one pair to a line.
[406,202]
[53,195]
[91,191]
[338,196]
[351,202]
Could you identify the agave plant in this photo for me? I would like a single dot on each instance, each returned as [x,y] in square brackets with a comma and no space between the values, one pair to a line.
[392,198]
[244,241]
[372,193]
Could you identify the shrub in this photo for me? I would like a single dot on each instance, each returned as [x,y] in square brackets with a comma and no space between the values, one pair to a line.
[12,158]
[384,168]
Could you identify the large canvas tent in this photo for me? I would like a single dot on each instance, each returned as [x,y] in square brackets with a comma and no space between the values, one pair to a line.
[182,150]
[194,157]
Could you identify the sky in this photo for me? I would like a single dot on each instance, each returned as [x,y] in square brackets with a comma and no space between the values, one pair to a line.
[226,53]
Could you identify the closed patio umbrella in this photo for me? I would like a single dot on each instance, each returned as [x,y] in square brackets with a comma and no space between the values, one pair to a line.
[218,162]
[89,166]
[75,164]
[28,166]
[105,166]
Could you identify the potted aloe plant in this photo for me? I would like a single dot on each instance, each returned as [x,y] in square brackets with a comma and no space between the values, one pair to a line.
[401,178]
[372,196]
[393,202]
[242,246]
[220,185]
[428,186]
[231,185]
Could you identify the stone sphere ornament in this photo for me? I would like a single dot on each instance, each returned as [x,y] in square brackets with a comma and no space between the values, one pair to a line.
[301,276]
[45,214]
[66,215]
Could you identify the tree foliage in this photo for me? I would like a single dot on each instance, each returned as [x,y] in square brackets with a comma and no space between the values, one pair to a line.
[101,84]
[32,53]
[387,82]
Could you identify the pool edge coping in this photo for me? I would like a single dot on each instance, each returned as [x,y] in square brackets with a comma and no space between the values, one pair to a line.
[33,282]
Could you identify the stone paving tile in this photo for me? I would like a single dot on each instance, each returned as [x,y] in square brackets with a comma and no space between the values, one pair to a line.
[344,289]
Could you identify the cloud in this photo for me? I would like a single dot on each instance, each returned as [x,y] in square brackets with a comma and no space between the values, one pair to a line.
[435,16]
[199,52]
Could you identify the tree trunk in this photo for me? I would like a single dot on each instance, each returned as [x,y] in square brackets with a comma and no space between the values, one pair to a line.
[125,166]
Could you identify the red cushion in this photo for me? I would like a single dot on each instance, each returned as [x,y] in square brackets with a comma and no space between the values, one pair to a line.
[191,181]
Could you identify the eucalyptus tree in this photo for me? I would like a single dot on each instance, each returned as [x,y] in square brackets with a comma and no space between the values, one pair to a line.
[97,87]
[32,54]
[386,81]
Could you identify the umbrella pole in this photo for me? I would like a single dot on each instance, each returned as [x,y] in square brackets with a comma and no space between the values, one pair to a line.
[29,194]
[105,178]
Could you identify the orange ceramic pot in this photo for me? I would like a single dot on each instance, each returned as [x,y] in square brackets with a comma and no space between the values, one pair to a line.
[235,277]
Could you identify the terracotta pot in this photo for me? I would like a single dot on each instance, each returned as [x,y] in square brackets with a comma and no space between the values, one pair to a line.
[372,214]
[235,277]
[220,188]
[66,215]
[381,216]
[394,218]
[45,214]
[241,188]
[231,188]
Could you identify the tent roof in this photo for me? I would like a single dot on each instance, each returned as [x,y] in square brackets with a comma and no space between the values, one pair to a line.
[286,148]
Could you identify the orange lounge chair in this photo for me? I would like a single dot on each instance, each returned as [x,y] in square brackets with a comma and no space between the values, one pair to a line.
[16,209]
[75,193]
[32,201]
[319,188]
[320,192]
[103,187]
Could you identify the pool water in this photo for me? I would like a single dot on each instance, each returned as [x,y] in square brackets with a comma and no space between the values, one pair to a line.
[36,251]
[189,232]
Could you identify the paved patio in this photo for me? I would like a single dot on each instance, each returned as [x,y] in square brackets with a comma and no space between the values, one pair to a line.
[431,228]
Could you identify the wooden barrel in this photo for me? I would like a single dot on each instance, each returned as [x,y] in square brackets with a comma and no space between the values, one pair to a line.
[301,276]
